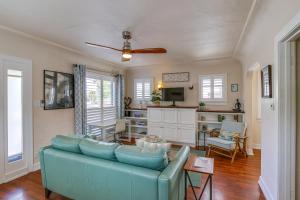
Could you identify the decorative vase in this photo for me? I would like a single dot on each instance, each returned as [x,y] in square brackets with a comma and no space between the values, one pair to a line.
[202,108]
[157,103]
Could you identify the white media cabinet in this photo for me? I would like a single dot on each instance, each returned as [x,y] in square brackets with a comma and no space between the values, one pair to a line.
[177,125]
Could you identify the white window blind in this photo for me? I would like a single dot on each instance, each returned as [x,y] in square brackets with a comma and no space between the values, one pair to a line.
[143,89]
[100,98]
[213,88]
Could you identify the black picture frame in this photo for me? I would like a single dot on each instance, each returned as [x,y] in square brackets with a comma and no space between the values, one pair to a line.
[58,90]
[234,87]
[266,82]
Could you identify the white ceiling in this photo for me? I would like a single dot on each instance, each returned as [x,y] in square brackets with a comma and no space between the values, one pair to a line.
[189,29]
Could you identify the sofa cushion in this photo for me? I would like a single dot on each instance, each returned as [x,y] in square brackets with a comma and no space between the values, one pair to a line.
[137,156]
[98,149]
[66,143]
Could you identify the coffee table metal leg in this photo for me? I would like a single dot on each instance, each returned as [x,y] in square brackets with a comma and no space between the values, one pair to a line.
[210,187]
[190,181]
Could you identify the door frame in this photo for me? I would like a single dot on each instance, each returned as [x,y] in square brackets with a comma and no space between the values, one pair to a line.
[285,101]
[28,126]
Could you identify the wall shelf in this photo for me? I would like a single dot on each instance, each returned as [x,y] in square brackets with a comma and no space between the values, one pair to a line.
[209,122]
[134,116]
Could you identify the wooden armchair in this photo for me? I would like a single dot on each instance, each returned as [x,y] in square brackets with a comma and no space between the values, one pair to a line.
[229,147]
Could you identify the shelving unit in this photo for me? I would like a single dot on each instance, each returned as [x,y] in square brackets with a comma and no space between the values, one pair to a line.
[209,120]
[137,122]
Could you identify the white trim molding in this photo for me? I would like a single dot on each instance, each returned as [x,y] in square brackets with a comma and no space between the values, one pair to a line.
[285,101]
[36,166]
[256,146]
[265,189]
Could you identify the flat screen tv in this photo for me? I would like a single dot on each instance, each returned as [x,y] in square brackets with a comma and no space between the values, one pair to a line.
[58,90]
[173,94]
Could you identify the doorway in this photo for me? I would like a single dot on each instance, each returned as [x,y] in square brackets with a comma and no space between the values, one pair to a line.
[16,144]
[285,93]
[298,119]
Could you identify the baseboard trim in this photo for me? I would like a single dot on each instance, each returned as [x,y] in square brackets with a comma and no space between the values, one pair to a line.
[250,152]
[36,166]
[265,189]
[256,146]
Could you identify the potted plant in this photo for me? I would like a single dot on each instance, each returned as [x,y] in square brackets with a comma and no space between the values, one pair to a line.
[202,106]
[156,96]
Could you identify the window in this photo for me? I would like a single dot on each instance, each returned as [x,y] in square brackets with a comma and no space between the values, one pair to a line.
[14,115]
[213,88]
[100,98]
[143,89]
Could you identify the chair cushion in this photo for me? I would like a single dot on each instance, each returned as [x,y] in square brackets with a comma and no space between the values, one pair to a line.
[66,143]
[226,144]
[236,127]
[227,135]
[98,149]
[137,156]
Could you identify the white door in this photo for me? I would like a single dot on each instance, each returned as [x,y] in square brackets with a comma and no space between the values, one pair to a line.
[170,132]
[155,129]
[186,135]
[169,115]
[16,118]
[154,115]
[186,116]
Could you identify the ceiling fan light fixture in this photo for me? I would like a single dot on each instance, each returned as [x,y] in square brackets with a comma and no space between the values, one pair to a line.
[126,54]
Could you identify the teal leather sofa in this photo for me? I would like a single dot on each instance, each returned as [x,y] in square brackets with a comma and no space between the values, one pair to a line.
[73,168]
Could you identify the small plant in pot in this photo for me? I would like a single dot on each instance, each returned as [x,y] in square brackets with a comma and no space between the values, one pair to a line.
[202,106]
[156,96]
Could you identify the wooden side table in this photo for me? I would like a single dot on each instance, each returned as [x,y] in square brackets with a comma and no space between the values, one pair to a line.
[208,169]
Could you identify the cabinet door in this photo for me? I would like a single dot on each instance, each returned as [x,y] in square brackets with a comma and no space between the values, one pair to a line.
[186,135]
[170,132]
[186,116]
[169,115]
[154,115]
[155,129]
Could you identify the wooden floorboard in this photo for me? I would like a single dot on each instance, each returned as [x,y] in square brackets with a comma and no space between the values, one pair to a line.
[230,182]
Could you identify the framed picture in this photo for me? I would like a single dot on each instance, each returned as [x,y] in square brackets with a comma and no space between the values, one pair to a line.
[176,77]
[234,87]
[58,90]
[266,82]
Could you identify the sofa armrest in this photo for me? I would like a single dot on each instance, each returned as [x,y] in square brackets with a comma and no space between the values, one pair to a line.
[42,165]
[171,180]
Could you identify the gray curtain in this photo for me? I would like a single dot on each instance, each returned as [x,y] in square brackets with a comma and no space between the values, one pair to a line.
[120,90]
[80,100]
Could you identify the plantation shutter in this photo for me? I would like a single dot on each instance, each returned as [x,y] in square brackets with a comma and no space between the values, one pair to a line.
[100,99]
[143,89]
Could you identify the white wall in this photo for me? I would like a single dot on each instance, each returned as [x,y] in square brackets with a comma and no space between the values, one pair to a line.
[258,46]
[48,123]
[231,67]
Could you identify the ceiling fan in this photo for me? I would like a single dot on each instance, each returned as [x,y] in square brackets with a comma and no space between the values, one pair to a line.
[127,51]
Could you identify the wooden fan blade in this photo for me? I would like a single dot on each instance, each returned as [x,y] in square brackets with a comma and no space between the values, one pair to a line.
[99,45]
[149,50]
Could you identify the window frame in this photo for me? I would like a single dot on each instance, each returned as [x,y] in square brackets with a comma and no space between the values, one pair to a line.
[143,80]
[102,78]
[212,100]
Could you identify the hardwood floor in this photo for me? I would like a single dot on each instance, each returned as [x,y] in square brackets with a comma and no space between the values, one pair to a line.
[230,182]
